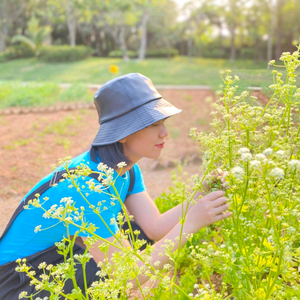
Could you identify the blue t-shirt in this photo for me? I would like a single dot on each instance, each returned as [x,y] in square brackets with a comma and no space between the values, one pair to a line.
[21,239]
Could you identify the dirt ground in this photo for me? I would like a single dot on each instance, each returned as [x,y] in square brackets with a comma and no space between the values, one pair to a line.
[31,143]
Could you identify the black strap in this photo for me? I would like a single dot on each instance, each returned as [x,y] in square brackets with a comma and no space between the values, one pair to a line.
[40,190]
[131,180]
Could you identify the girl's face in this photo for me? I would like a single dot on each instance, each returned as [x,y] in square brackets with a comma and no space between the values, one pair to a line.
[147,142]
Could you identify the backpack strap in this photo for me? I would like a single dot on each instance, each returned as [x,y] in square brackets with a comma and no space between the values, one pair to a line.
[131,181]
[57,176]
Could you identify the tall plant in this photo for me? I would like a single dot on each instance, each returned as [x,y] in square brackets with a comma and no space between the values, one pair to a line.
[35,37]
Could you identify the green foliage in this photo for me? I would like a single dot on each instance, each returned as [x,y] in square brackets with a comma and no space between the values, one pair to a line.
[19,51]
[40,94]
[119,54]
[36,36]
[162,53]
[3,57]
[64,53]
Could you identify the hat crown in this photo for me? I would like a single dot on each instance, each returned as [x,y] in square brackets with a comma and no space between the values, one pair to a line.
[124,94]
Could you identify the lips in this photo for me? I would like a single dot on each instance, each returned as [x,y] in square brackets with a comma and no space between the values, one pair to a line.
[160,145]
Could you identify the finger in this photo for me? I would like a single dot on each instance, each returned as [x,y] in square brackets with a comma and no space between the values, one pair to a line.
[219,201]
[223,216]
[218,210]
[214,195]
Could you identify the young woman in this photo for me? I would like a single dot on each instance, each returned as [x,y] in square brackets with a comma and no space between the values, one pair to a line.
[131,116]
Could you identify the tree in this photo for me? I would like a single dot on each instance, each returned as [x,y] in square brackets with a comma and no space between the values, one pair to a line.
[10,10]
[36,36]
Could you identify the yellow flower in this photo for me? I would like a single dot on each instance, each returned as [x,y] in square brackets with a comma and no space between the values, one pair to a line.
[114,69]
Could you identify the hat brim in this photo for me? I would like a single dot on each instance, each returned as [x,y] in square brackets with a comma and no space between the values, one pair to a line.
[116,129]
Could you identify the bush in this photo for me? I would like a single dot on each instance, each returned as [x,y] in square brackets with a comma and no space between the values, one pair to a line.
[19,51]
[64,53]
[3,57]
[162,53]
[119,54]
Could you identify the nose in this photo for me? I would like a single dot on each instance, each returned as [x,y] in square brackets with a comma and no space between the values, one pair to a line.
[163,131]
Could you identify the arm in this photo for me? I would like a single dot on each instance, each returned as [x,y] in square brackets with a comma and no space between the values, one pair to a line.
[146,214]
[206,211]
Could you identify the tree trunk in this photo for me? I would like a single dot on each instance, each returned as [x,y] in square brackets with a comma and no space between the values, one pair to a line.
[233,49]
[270,39]
[143,45]
[279,29]
[123,44]
[48,40]
[2,40]
[71,22]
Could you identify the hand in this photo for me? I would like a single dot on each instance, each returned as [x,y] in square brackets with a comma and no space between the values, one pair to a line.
[207,210]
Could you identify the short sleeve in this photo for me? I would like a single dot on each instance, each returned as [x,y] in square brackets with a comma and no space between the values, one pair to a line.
[139,185]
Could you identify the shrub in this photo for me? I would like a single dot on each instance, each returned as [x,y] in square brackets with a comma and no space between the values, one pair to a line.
[19,51]
[64,53]
[119,54]
[3,57]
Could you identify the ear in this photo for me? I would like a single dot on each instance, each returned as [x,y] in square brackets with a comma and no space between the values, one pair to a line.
[122,141]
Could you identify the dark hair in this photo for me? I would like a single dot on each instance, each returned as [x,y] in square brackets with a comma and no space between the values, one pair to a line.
[112,154]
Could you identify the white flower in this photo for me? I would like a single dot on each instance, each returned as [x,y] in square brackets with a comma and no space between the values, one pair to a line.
[246,157]
[102,167]
[37,228]
[238,172]
[196,286]
[280,153]
[121,165]
[255,164]
[243,150]
[277,173]
[294,164]
[268,151]
[260,156]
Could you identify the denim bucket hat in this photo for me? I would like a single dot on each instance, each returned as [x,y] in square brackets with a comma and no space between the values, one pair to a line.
[126,105]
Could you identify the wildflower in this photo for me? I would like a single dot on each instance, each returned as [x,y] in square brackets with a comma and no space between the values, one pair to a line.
[271,62]
[280,153]
[246,157]
[255,164]
[294,164]
[238,172]
[243,150]
[277,173]
[196,286]
[37,228]
[121,165]
[268,151]
[101,167]
[23,295]
[114,69]
[260,156]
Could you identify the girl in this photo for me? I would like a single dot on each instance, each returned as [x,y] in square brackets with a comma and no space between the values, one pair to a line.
[131,116]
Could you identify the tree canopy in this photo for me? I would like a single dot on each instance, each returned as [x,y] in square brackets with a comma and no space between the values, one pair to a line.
[257,29]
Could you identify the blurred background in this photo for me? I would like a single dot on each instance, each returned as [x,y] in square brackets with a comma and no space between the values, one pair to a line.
[232,29]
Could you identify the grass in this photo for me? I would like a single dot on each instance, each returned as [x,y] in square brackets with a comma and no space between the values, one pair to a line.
[175,71]
[13,93]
